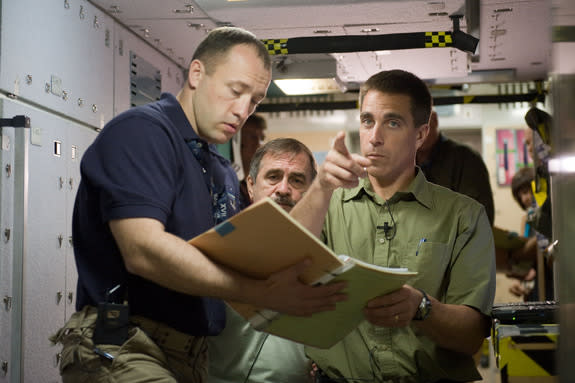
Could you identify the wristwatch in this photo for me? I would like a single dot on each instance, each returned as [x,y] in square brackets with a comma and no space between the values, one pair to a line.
[424,307]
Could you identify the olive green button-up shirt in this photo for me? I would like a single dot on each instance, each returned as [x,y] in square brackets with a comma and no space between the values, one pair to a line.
[444,236]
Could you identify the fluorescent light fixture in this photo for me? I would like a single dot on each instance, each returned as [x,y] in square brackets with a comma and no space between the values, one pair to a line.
[303,86]
[562,165]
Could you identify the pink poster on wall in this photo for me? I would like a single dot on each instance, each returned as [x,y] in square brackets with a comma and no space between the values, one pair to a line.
[511,153]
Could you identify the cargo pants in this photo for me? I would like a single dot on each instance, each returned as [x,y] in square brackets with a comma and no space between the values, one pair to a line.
[153,352]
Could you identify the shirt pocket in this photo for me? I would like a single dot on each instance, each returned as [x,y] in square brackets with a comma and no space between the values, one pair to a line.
[431,261]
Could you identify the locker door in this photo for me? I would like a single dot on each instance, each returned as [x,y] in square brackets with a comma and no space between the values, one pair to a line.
[8,298]
[78,140]
[43,227]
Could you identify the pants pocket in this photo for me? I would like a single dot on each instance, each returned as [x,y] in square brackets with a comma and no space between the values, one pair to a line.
[80,363]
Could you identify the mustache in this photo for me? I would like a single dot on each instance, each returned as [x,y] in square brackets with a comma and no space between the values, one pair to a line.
[284,200]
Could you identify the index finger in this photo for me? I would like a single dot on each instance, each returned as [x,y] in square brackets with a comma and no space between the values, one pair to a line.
[339,144]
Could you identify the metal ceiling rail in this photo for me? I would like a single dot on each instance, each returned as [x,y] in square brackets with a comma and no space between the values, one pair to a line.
[532,97]
[357,43]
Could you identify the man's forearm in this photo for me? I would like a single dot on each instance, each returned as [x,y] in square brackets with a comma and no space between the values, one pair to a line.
[311,210]
[169,261]
[455,327]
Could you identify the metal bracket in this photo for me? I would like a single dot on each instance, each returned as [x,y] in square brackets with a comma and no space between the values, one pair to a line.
[15,122]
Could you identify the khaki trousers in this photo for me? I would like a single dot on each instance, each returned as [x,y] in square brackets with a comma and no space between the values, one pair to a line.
[152,353]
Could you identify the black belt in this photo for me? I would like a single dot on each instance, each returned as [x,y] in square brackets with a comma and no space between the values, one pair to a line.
[168,338]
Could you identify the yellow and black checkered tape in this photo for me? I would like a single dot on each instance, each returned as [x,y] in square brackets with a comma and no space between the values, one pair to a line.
[276,46]
[438,39]
[528,355]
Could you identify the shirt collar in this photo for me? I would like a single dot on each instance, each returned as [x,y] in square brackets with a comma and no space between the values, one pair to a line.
[174,111]
[176,114]
[419,190]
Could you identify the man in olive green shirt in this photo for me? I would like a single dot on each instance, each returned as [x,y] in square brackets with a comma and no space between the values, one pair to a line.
[378,207]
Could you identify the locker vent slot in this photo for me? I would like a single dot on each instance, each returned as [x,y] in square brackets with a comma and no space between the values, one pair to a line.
[145,81]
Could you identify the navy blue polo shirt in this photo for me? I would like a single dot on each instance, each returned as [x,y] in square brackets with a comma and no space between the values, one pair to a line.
[149,162]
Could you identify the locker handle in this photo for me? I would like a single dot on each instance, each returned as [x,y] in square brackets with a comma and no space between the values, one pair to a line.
[15,122]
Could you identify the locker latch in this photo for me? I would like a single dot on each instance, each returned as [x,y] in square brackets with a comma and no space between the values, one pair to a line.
[8,303]
[15,122]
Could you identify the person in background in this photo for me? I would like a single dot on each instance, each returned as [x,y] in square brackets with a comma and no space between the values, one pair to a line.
[428,330]
[282,170]
[538,140]
[538,217]
[456,166]
[152,180]
[252,137]
[522,193]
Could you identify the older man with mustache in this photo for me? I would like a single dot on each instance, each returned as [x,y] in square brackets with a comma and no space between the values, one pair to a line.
[282,169]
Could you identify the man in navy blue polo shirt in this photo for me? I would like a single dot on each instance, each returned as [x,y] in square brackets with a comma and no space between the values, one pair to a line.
[150,181]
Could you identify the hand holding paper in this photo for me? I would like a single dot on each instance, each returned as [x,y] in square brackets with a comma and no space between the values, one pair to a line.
[266,243]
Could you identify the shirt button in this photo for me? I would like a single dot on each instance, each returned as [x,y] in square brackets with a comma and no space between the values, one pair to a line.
[204,170]
[382,240]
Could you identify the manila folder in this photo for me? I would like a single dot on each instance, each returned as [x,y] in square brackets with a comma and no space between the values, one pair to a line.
[264,239]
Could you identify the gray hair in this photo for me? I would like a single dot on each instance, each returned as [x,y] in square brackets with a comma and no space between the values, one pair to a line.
[280,146]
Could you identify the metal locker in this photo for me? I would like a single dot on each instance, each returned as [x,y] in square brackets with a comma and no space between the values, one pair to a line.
[59,54]
[78,140]
[44,156]
[8,295]
[172,77]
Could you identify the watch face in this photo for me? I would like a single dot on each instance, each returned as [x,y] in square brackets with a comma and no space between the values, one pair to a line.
[427,308]
[424,308]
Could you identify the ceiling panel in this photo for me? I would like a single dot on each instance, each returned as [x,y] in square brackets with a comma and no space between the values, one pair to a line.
[175,27]
[438,63]
[273,14]
[151,9]
[157,32]
[514,35]
[434,63]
